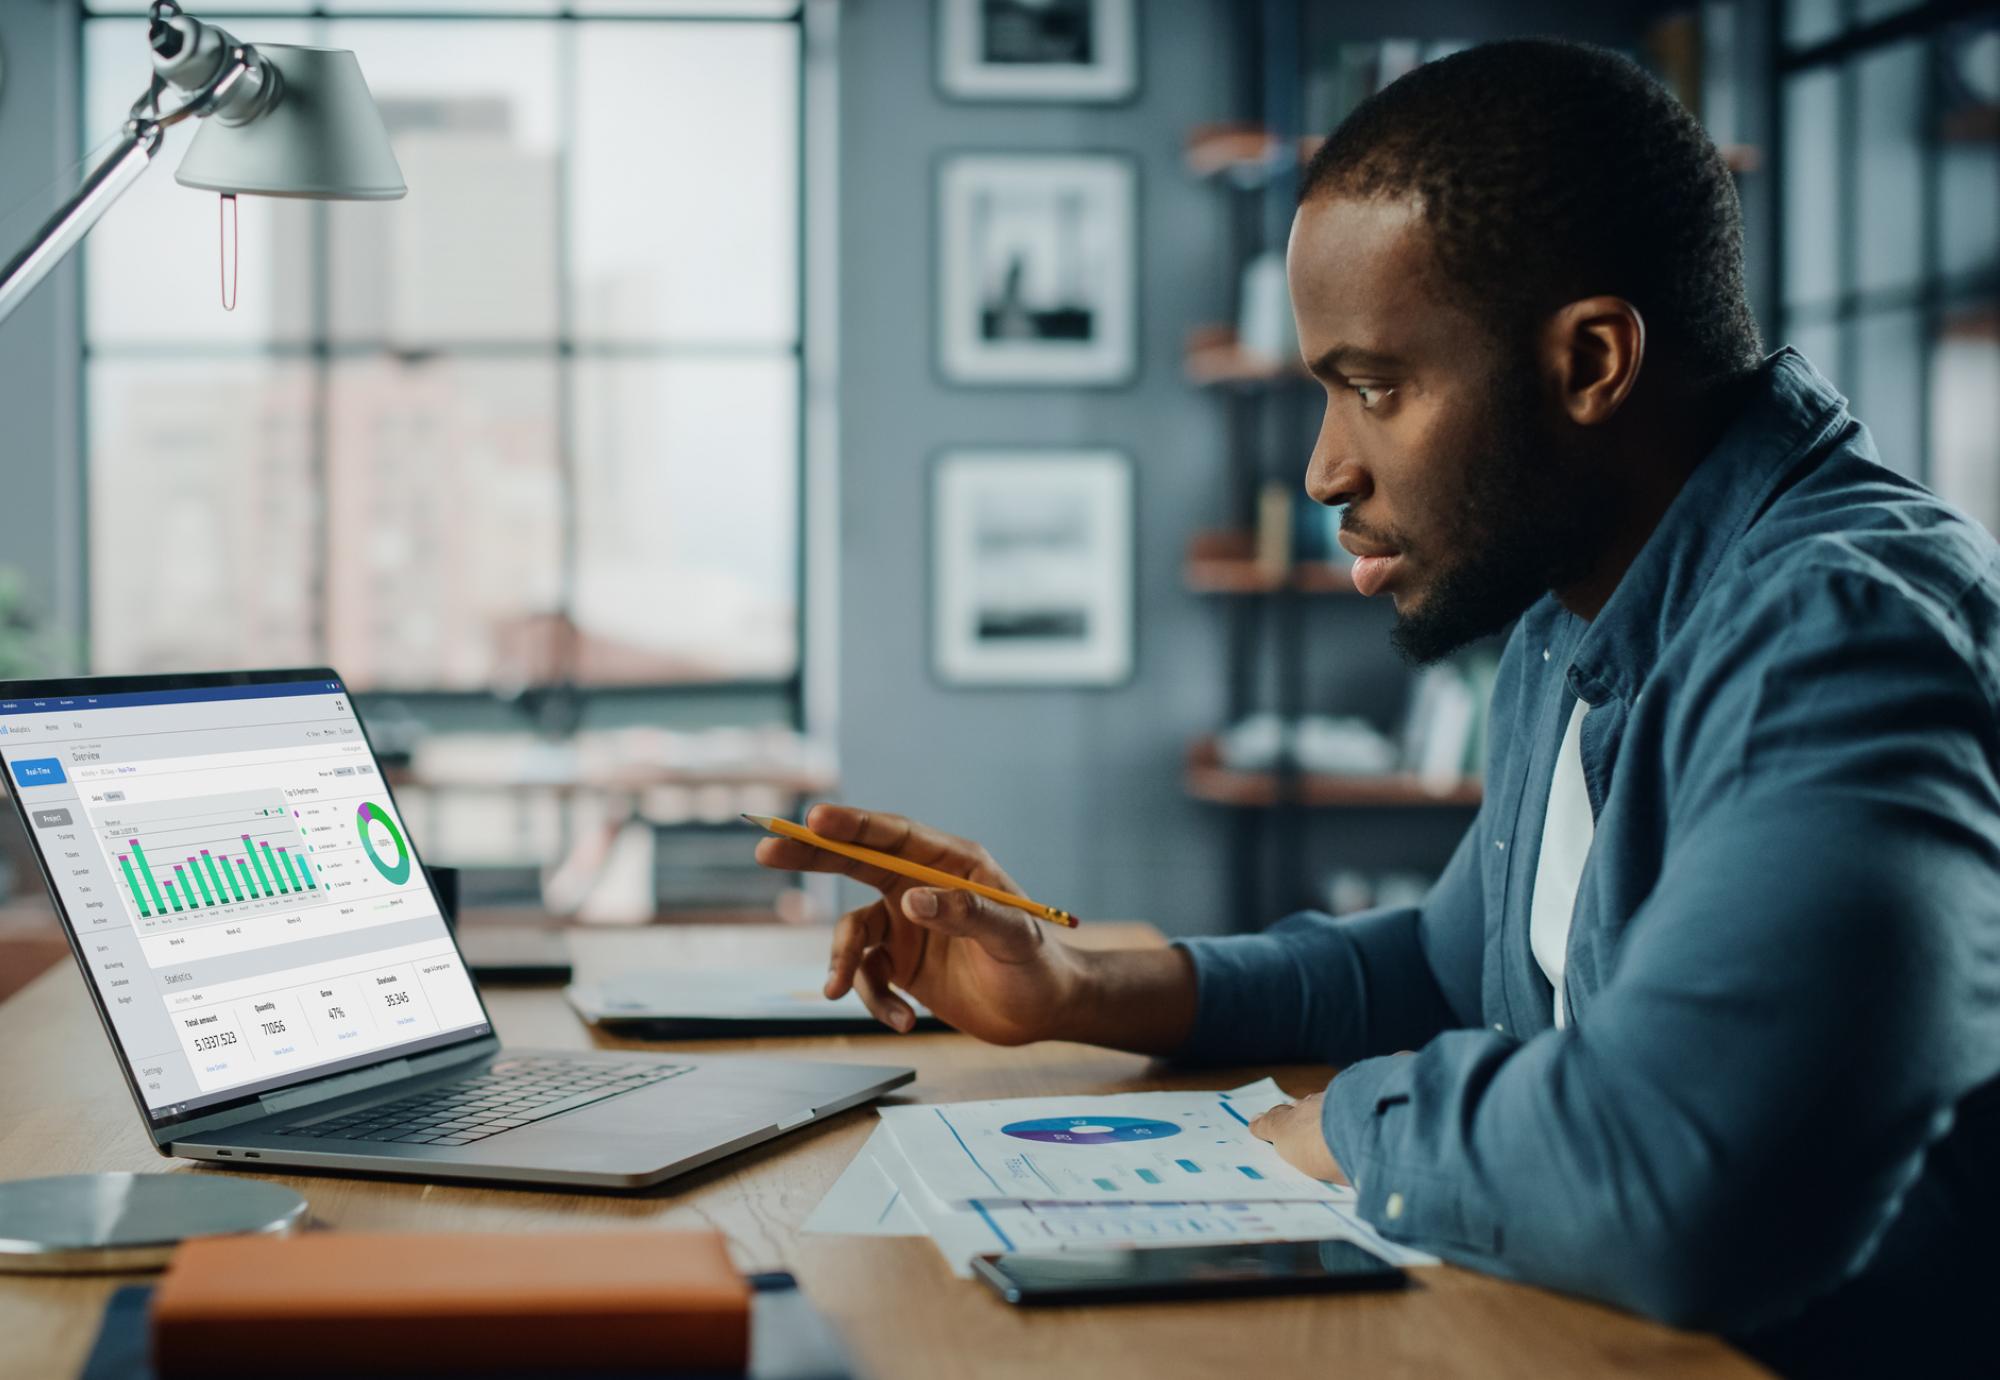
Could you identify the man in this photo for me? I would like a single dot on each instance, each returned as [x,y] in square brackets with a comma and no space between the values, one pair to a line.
[1703,1017]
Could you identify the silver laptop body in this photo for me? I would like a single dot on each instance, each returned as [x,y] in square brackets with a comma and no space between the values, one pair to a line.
[276,975]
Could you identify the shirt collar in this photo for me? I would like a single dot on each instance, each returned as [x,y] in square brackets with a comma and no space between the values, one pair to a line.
[1790,409]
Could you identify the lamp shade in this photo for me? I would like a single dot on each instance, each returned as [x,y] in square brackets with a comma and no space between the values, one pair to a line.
[324,139]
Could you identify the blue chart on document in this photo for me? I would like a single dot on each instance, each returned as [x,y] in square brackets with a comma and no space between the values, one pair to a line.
[1133,1147]
[1039,1175]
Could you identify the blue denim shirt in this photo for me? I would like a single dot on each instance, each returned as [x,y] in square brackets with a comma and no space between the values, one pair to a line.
[1784,963]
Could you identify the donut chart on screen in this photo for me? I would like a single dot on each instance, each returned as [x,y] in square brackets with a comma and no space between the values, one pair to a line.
[1090,1130]
[398,871]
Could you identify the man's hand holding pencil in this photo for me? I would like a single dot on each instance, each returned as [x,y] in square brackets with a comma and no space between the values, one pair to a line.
[991,968]
[955,932]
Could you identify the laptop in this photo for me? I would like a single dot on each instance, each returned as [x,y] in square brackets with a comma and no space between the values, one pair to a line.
[273,966]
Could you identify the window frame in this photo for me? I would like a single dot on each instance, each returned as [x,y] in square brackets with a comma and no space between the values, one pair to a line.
[1932,295]
[704,699]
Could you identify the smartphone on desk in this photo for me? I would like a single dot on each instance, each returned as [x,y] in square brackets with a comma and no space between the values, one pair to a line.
[1187,1272]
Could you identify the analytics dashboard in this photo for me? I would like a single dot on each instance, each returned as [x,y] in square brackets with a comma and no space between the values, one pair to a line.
[239,883]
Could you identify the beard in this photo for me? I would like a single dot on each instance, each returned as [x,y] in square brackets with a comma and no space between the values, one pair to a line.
[1528,521]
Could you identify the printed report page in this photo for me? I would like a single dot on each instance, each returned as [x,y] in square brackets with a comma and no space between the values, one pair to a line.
[243,890]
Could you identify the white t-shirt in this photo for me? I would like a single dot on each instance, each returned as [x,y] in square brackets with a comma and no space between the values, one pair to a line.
[1566,834]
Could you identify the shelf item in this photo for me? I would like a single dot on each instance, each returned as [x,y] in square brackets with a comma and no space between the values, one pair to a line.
[1215,357]
[1218,149]
[1321,744]
[1246,154]
[1226,563]
[1207,779]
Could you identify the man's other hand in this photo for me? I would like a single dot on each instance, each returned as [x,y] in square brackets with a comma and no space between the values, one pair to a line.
[1294,1132]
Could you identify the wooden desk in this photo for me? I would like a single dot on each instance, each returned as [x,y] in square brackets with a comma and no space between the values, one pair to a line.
[66,1110]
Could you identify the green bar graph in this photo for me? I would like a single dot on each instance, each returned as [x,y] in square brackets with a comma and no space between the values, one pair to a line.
[218,874]
[173,898]
[306,872]
[186,889]
[272,863]
[146,871]
[207,896]
[249,882]
[132,880]
[290,871]
[258,863]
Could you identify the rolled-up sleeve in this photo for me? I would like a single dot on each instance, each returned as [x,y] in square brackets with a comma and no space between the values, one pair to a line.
[1329,990]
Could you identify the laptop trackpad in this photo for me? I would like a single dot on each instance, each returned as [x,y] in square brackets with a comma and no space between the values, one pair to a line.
[682,1114]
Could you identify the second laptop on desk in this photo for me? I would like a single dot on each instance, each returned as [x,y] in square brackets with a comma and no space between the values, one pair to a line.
[664,1004]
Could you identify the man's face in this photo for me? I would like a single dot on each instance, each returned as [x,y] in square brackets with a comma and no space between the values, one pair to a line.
[1461,501]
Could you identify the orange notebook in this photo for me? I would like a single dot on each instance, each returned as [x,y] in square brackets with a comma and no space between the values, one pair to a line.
[354,1303]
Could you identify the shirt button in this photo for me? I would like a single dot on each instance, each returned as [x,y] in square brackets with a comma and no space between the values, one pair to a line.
[1545,654]
[1501,1028]
[1500,844]
[1394,1207]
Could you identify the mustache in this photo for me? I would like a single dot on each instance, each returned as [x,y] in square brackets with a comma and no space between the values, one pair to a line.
[1373,536]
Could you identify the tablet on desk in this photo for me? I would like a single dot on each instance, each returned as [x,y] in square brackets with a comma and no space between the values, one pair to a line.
[725,1003]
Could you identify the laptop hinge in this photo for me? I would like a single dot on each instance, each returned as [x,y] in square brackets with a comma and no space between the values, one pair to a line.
[323,1089]
[361,1080]
[290,1099]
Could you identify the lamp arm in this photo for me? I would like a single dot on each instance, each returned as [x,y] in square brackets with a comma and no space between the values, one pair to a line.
[64,230]
[242,86]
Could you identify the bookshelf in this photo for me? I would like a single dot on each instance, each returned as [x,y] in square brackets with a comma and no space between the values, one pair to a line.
[1277,580]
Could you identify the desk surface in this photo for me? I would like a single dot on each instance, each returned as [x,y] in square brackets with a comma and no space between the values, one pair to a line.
[64,1109]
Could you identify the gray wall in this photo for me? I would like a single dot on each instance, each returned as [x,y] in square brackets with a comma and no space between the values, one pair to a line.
[1076,791]
[40,524]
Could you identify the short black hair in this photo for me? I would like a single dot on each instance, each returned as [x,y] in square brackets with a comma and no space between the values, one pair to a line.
[1549,171]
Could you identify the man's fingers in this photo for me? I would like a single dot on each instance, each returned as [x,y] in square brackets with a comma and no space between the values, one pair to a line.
[871,980]
[1010,935]
[887,833]
[789,855]
[856,932]
[1269,1124]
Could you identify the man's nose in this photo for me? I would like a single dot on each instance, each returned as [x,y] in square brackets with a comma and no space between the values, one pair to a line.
[1332,480]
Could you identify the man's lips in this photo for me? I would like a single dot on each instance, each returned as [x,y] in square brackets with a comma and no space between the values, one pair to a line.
[1373,563]
[1371,573]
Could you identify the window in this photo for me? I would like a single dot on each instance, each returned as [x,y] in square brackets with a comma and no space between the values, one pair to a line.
[539,419]
[1889,239]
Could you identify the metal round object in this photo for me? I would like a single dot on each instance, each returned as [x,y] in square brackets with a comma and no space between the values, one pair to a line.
[99,1223]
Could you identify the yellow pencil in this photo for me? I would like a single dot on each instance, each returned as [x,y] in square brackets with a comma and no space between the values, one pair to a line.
[784,828]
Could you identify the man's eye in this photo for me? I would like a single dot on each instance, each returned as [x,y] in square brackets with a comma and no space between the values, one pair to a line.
[1371,395]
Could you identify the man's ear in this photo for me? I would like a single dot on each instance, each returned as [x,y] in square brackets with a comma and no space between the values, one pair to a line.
[1591,352]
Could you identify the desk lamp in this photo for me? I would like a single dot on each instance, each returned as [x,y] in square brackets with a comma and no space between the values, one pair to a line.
[277,120]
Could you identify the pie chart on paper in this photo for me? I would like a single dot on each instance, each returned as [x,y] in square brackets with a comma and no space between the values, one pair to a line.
[1090,1130]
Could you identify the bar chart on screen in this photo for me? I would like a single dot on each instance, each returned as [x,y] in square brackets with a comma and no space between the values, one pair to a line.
[207,875]
[214,855]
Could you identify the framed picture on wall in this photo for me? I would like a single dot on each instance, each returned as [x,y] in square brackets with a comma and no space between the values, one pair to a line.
[1031,567]
[1037,280]
[1038,50]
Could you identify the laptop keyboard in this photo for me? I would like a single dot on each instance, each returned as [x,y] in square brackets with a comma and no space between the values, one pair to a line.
[509,1093]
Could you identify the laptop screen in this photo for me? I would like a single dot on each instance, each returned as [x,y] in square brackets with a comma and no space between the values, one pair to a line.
[243,892]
